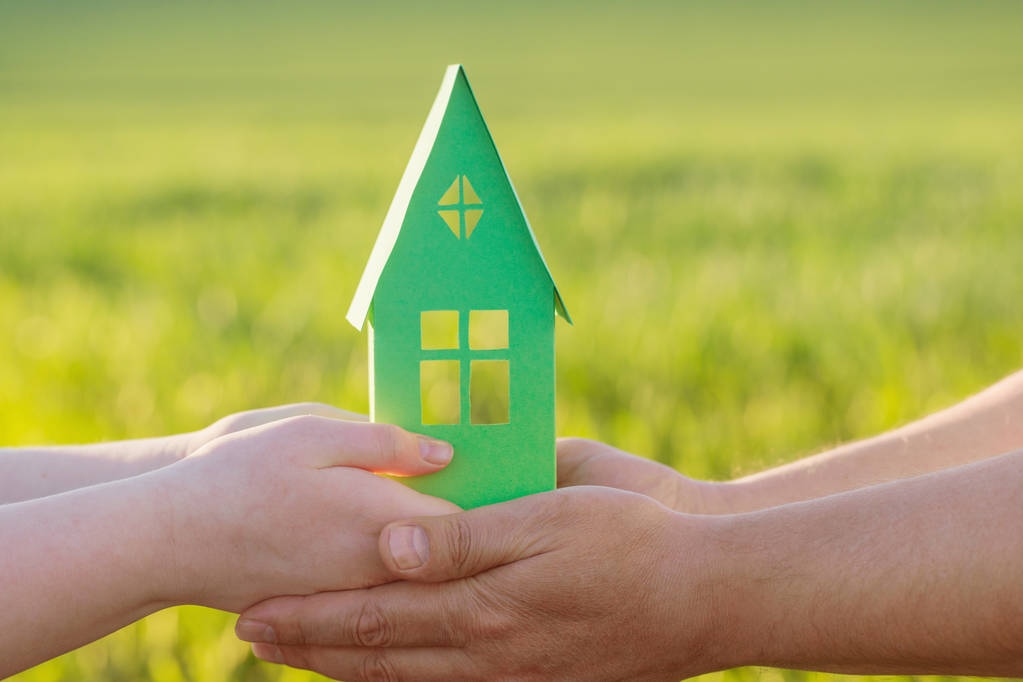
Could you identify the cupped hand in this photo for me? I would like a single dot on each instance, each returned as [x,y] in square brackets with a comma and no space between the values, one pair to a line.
[589,462]
[290,507]
[578,584]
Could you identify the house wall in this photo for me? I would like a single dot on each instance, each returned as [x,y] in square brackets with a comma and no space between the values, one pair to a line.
[493,462]
[497,267]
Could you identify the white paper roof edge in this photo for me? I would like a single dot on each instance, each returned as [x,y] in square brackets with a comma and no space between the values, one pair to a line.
[391,228]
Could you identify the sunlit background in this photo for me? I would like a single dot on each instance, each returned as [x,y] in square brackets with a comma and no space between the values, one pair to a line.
[777,226]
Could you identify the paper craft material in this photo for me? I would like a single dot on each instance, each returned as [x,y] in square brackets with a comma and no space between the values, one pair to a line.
[461,308]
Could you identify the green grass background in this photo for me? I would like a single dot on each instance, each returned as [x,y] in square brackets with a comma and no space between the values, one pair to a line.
[777,226]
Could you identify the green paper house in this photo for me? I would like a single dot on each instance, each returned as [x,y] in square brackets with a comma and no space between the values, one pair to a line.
[461,308]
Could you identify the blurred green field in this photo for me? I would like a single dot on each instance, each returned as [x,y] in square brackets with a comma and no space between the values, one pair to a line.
[776,227]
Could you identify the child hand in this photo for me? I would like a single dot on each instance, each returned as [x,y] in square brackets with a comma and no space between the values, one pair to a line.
[239,421]
[290,507]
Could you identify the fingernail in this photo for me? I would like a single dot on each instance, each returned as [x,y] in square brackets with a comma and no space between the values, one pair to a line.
[435,451]
[409,546]
[268,652]
[249,630]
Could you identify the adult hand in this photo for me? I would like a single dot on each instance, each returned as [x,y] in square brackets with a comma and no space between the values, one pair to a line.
[585,583]
[290,507]
[589,462]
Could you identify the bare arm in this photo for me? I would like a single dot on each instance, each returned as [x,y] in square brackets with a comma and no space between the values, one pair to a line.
[918,575]
[986,425]
[78,566]
[31,472]
[282,508]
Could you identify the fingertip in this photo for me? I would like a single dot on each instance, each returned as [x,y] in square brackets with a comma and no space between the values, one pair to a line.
[435,452]
[404,547]
[269,613]
[268,652]
[253,630]
[373,446]
[413,454]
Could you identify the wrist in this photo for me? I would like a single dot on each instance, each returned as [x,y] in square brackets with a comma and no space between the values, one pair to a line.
[692,496]
[704,590]
[183,445]
[133,516]
[716,498]
[149,454]
[730,593]
[710,497]
[761,594]
[737,497]
[157,567]
[182,537]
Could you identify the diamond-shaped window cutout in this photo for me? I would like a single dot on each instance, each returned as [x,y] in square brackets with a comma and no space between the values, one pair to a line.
[469,195]
[460,207]
[451,196]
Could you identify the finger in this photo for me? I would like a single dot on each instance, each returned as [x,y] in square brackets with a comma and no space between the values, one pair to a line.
[587,462]
[393,615]
[358,665]
[439,548]
[367,491]
[382,448]
[576,460]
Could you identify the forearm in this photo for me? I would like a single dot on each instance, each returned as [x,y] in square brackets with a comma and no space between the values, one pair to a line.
[77,566]
[29,473]
[985,425]
[914,576]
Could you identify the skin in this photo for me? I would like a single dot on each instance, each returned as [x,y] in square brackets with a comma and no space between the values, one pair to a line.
[987,424]
[286,507]
[31,472]
[915,576]
[818,565]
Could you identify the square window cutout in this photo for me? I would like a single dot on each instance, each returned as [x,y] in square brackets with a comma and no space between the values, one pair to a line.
[488,329]
[440,391]
[489,392]
[438,329]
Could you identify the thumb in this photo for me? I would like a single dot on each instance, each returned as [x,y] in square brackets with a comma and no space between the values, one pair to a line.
[575,458]
[441,548]
[589,462]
